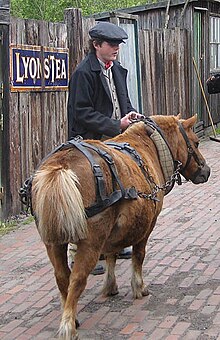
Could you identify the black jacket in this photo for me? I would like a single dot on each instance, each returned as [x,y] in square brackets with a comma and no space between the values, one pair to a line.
[89,103]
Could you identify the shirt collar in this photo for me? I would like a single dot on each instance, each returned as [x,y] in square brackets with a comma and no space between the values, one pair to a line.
[103,65]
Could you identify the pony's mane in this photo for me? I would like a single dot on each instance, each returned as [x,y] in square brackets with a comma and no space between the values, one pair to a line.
[166,123]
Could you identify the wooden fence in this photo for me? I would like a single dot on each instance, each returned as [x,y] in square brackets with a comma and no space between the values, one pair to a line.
[165,71]
[37,120]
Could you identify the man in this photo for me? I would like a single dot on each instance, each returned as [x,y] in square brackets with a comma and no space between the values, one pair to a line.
[98,105]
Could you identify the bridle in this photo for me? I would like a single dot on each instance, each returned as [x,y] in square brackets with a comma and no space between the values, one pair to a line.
[191,153]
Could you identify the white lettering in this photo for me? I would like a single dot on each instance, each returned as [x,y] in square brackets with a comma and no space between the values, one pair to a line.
[46,68]
[63,69]
[52,68]
[19,78]
[25,63]
[57,68]
[39,69]
[33,68]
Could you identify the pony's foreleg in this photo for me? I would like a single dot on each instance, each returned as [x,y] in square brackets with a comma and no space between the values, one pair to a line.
[137,284]
[110,286]
[85,260]
[58,257]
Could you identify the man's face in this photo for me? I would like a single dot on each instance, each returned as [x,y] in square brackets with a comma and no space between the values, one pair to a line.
[107,51]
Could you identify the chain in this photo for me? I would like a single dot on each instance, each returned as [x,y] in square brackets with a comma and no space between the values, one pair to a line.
[157,188]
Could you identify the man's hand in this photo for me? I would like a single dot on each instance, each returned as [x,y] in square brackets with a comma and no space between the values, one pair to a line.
[130,118]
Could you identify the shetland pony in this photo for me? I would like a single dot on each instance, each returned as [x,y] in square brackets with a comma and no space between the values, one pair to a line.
[64,185]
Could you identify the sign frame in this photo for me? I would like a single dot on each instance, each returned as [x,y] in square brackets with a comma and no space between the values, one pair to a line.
[39,53]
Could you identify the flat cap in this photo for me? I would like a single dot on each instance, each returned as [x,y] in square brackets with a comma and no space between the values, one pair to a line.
[109,32]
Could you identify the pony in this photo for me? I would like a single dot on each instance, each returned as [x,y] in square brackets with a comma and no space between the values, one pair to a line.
[105,198]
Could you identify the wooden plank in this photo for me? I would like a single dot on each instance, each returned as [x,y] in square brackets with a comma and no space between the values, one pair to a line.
[15,151]
[43,36]
[73,20]
[165,71]
[36,136]
[25,133]
[146,72]
[6,202]
[87,23]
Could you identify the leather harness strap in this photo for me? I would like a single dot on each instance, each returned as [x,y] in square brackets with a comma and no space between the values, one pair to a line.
[103,200]
[126,149]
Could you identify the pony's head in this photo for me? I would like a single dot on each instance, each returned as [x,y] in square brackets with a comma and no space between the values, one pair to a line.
[183,143]
[194,166]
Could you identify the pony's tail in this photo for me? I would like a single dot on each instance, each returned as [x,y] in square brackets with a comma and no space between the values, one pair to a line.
[58,205]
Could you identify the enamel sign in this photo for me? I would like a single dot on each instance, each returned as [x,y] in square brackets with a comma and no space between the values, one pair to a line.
[38,68]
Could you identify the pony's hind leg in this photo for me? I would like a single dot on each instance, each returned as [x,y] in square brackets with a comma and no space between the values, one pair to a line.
[84,261]
[58,257]
[137,284]
[110,286]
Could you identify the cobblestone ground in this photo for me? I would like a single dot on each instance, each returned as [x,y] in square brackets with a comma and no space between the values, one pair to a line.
[181,269]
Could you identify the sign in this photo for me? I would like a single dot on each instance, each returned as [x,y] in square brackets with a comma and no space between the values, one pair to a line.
[38,68]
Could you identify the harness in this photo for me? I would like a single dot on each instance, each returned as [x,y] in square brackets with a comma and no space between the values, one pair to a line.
[103,200]
[191,153]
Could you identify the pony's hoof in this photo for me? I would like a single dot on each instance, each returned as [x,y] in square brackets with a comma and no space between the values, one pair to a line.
[139,293]
[145,291]
[110,291]
[113,292]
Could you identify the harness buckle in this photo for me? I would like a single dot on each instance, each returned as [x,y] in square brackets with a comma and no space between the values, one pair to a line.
[97,170]
[131,193]
[190,150]
[108,158]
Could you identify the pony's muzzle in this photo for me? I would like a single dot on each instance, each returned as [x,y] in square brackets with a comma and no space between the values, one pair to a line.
[202,175]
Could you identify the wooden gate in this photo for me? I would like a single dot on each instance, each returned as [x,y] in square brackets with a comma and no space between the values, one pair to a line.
[165,71]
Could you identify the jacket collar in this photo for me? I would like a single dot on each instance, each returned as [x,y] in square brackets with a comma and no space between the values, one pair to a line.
[95,65]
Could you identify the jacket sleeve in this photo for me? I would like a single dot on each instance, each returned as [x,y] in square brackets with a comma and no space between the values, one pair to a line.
[81,107]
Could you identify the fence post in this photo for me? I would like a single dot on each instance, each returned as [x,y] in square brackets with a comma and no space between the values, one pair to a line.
[73,21]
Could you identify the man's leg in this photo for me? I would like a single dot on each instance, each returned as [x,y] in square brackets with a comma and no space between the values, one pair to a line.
[126,253]
[72,248]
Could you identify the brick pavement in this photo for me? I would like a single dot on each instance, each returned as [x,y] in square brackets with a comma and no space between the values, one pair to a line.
[181,269]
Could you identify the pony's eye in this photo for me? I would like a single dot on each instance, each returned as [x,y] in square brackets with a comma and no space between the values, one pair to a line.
[196,144]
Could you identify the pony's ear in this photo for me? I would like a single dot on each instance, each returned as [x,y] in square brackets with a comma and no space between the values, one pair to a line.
[190,122]
[179,116]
